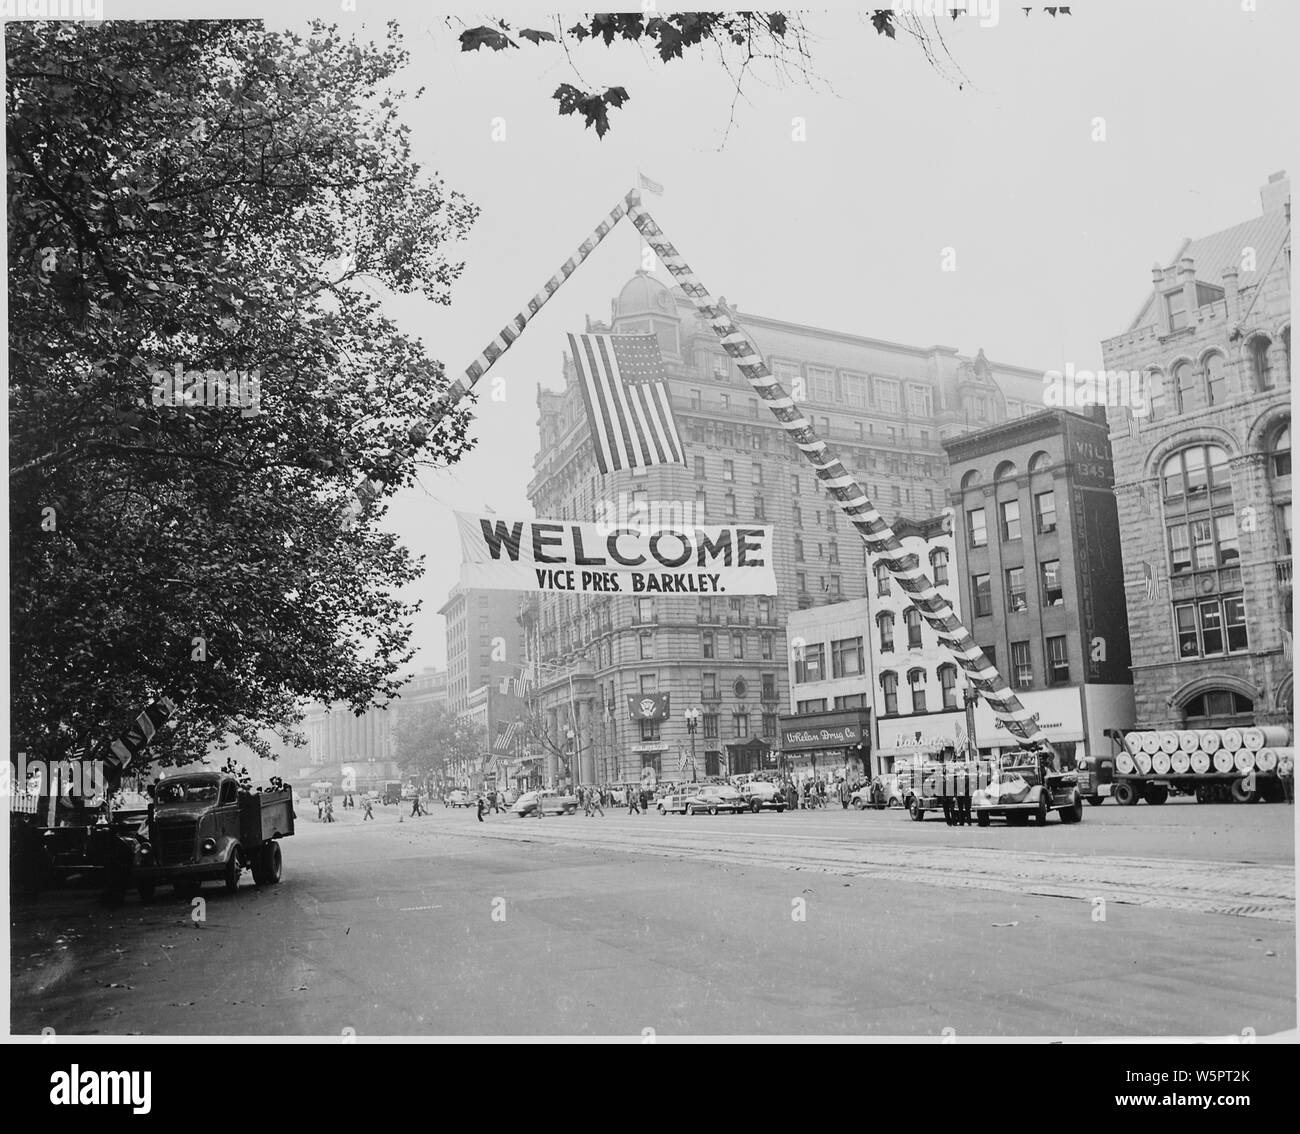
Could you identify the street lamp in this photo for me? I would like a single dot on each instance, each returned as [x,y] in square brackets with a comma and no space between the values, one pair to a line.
[573,753]
[692,716]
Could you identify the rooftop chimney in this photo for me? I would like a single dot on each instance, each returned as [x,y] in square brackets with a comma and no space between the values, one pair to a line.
[1187,276]
[1230,293]
[1276,193]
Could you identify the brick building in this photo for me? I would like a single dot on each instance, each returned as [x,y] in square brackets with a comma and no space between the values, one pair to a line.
[1204,479]
[1041,574]
[884,407]
[484,641]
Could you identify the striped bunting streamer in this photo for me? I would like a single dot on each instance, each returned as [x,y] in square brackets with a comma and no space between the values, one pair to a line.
[366,490]
[876,534]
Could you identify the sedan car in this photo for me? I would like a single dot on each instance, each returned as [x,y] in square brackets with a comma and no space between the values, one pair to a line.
[550,802]
[763,795]
[714,799]
[459,798]
[674,803]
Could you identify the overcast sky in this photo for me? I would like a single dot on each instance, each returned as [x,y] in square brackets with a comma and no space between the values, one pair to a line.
[1054,233]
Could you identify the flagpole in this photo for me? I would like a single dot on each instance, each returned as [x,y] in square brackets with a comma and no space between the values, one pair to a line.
[367,489]
[878,536]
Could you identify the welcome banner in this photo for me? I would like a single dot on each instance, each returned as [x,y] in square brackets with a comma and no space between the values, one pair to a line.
[571,557]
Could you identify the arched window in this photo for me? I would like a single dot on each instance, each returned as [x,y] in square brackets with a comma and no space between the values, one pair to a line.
[1260,367]
[913,619]
[971,479]
[916,680]
[939,565]
[948,683]
[882,581]
[885,623]
[1216,379]
[1155,383]
[1199,519]
[1280,452]
[1005,471]
[1219,708]
[1039,462]
[1184,387]
[889,686]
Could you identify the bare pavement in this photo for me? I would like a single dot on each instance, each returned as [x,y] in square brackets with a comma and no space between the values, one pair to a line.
[1177,920]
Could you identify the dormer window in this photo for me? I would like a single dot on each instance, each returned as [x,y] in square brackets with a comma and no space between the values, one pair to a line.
[1176,302]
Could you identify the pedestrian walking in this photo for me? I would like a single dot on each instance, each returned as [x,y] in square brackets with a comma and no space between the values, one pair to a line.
[415,805]
[632,807]
[594,798]
[480,807]
[367,808]
[329,810]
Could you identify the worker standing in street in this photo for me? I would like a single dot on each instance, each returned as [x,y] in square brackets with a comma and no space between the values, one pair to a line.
[480,807]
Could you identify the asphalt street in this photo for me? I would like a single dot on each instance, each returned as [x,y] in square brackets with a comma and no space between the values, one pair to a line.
[1177,920]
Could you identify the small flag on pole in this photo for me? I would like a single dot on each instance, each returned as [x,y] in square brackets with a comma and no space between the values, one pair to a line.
[625,390]
[505,741]
[649,184]
[1151,579]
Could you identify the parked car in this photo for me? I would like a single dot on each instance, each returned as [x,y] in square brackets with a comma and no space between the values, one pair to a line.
[891,792]
[459,798]
[763,795]
[715,798]
[675,802]
[551,803]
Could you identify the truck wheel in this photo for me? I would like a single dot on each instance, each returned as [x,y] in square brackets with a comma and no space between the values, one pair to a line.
[1073,813]
[915,810]
[1157,794]
[1240,793]
[1096,800]
[1125,794]
[233,870]
[982,818]
[268,865]
[1041,814]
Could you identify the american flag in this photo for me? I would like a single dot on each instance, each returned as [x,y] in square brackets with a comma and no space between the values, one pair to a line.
[506,735]
[625,389]
[1151,579]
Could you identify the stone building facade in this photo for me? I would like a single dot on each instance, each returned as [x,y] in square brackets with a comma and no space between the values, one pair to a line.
[1203,480]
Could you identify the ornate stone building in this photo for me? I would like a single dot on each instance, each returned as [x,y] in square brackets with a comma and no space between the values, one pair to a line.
[1204,479]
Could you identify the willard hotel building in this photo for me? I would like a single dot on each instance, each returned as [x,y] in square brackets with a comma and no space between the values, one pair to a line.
[884,407]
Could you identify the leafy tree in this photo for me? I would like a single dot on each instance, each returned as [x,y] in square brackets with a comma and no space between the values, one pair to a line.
[218,198]
[431,738]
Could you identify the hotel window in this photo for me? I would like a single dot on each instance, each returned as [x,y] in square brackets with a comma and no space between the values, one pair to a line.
[709,685]
[1216,380]
[769,724]
[1016,600]
[798,548]
[822,381]
[1053,591]
[811,665]
[846,657]
[912,617]
[769,687]
[939,565]
[833,552]
[740,725]
[699,468]
[1010,519]
[1045,511]
[701,505]
[753,408]
[885,623]
[893,440]
[794,483]
[756,474]
[1022,670]
[710,646]
[758,507]
[855,393]
[976,528]
[1260,366]
[728,470]
[695,399]
[835,584]
[764,611]
[737,645]
[729,499]
[983,596]
[889,686]
[646,643]
[710,723]
[1205,628]
[896,494]
[649,683]
[919,402]
[882,581]
[649,730]
[725,400]
[765,646]
[916,681]
[801,582]
[948,684]
[798,516]
[1058,661]
[817,706]
[886,396]
[1184,387]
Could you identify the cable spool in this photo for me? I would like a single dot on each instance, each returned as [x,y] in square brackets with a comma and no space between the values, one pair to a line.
[1211,741]
[1132,743]
[1189,741]
[1200,762]
[1160,763]
[1231,739]
[1124,764]
[1143,762]
[1168,742]
[1223,760]
[1180,762]
[1266,736]
[1244,760]
[1150,743]
[1266,760]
